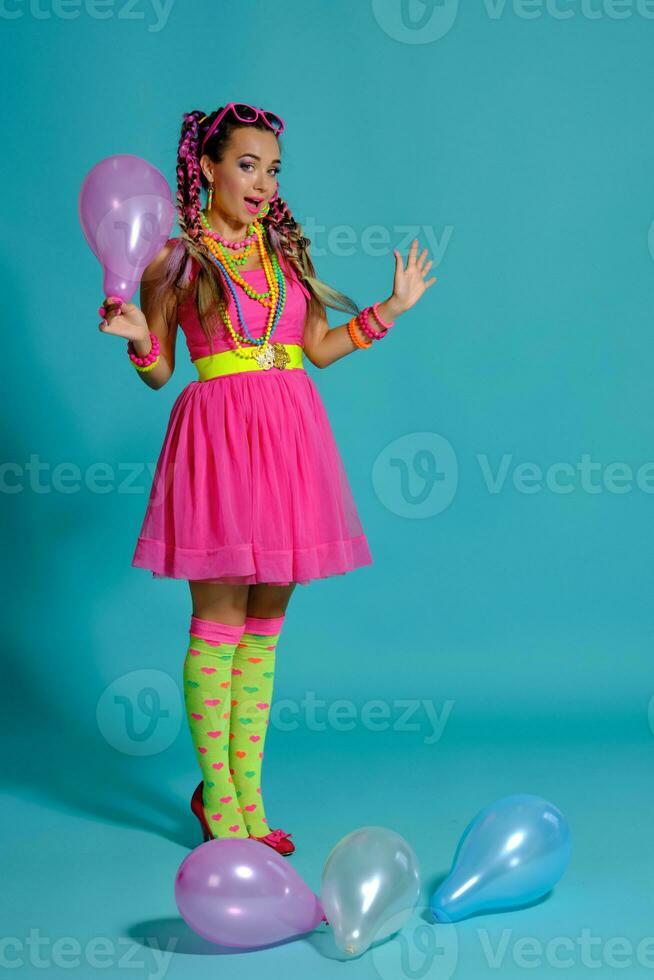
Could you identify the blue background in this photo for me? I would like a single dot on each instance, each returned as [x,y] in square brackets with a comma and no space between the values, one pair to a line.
[523,144]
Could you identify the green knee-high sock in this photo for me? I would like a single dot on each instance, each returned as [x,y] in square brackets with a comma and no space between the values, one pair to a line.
[253,674]
[207,695]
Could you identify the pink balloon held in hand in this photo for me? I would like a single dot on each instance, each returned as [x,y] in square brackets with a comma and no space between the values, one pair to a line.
[126,212]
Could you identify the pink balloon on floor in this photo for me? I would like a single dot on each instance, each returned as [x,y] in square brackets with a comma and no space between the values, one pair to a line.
[242,893]
[126,212]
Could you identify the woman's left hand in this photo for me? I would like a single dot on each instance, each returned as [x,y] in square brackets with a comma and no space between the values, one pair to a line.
[409,284]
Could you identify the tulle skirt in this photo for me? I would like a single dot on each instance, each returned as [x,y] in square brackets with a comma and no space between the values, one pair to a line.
[250,486]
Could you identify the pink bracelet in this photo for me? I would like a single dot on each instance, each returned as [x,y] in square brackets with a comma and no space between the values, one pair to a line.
[365,325]
[149,360]
[375,308]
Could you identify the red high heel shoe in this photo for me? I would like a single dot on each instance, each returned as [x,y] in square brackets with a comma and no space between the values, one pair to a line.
[198,810]
[277,839]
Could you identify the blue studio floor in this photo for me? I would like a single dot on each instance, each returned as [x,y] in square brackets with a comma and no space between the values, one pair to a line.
[98,858]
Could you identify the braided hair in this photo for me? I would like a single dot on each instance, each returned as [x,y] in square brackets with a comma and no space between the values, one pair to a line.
[282,232]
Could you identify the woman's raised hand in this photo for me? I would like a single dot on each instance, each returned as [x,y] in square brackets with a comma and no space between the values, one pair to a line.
[409,284]
[123,319]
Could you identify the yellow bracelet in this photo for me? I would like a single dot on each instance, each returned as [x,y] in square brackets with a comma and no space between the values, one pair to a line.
[148,367]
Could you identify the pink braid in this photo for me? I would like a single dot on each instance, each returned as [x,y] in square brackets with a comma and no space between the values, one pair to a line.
[189,177]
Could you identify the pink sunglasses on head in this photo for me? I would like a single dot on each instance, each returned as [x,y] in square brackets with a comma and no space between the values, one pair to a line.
[245,113]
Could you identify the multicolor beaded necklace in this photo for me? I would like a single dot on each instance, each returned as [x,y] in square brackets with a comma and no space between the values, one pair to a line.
[243,247]
[265,353]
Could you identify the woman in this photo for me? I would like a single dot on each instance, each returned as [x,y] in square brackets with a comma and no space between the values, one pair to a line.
[249,496]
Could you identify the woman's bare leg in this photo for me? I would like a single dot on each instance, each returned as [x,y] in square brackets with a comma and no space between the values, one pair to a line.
[220,603]
[268,601]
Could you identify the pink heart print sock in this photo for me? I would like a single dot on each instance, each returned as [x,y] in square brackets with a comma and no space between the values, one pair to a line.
[207,696]
[253,673]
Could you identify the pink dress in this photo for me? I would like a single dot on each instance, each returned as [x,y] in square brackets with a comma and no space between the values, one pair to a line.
[249,485]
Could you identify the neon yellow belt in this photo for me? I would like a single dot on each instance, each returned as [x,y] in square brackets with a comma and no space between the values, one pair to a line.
[281,356]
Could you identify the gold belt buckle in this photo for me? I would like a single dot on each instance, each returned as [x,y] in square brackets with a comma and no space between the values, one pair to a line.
[274,355]
[281,356]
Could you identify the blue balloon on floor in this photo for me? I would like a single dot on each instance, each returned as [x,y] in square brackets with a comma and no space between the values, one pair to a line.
[513,852]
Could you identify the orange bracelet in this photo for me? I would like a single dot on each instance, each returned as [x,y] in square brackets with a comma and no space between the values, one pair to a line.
[355,340]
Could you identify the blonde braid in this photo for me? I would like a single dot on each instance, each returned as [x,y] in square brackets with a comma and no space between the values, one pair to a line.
[285,235]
